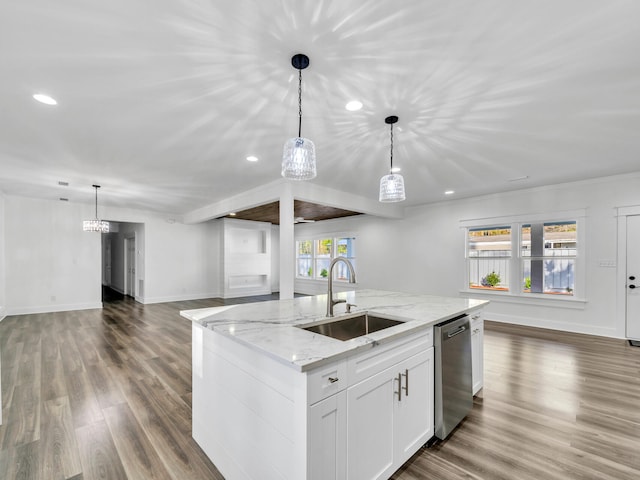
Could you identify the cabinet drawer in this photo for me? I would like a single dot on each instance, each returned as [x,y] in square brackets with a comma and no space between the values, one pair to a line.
[326,380]
[380,357]
[477,322]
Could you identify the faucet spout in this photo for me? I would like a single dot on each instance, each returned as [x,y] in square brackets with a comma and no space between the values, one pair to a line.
[352,279]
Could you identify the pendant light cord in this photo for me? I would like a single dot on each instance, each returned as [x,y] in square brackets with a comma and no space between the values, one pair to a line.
[391,169]
[96,203]
[300,103]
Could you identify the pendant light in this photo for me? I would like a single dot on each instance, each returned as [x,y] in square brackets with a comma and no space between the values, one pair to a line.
[392,185]
[96,225]
[299,155]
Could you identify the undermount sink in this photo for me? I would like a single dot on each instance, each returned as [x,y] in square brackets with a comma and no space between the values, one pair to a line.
[352,327]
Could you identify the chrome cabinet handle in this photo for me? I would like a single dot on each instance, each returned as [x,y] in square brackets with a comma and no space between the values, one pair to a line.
[399,392]
[406,382]
[333,379]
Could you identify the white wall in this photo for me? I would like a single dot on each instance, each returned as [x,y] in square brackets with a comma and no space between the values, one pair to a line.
[179,262]
[2,284]
[424,252]
[3,295]
[52,265]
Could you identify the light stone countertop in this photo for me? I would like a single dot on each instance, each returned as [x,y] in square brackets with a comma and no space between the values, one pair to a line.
[271,327]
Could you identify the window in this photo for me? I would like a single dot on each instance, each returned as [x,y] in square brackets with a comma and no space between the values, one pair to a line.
[304,258]
[313,257]
[532,258]
[548,257]
[489,250]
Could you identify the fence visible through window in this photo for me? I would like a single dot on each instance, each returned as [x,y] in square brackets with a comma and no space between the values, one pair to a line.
[546,253]
[489,254]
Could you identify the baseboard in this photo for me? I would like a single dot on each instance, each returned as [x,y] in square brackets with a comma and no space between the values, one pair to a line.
[552,325]
[177,298]
[53,308]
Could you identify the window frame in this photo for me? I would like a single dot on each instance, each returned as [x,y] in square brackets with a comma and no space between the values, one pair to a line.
[515,290]
[501,287]
[315,257]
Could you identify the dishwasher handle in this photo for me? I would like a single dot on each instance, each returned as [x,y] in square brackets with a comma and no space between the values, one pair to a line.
[456,332]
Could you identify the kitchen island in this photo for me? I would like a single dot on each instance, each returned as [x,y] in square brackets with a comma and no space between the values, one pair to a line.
[272,400]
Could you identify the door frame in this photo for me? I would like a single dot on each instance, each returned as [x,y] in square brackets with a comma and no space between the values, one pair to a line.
[127,239]
[621,274]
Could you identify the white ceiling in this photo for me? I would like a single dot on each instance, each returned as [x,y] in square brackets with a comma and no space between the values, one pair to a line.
[160,101]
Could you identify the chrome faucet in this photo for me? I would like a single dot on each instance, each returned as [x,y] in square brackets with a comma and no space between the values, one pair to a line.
[352,279]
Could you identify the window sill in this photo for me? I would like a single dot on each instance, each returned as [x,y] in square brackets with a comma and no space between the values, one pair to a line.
[546,300]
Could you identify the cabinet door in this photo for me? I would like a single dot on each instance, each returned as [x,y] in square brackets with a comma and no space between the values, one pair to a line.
[477,352]
[327,453]
[413,412]
[370,427]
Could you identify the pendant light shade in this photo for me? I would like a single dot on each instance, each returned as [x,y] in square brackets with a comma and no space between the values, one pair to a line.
[299,159]
[392,185]
[96,225]
[299,155]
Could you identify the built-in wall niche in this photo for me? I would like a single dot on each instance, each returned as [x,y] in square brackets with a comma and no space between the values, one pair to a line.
[247,281]
[246,254]
[246,241]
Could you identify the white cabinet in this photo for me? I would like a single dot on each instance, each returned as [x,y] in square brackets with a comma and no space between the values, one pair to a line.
[389,417]
[381,414]
[477,351]
[359,417]
[413,414]
[328,438]
[370,426]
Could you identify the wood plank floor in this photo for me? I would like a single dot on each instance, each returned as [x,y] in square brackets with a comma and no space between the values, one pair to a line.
[106,394]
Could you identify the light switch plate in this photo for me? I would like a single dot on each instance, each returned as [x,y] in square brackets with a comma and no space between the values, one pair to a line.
[607,263]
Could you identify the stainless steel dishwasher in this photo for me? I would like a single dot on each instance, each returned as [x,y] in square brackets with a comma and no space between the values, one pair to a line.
[453,381]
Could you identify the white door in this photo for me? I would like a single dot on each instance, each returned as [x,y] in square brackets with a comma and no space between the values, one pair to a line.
[633,277]
[130,272]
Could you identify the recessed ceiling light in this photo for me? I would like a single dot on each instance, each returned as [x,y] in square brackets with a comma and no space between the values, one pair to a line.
[449,192]
[63,184]
[252,158]
[353,105]
[46,99]
[232,214]
[62,199]
[395,169]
